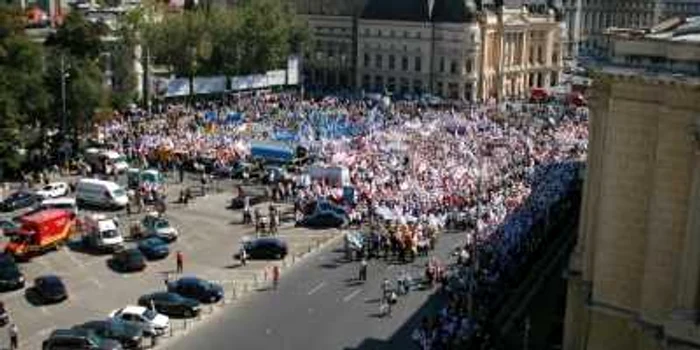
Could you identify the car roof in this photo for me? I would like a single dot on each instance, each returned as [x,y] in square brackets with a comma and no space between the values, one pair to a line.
[133,309]
[69,332]
[49,278]
[268,240]
[61,200]
[190,279]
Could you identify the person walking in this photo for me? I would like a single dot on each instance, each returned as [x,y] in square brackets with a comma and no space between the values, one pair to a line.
[363,270]
[243,255]
[179,259]
[14,337]
[275,276]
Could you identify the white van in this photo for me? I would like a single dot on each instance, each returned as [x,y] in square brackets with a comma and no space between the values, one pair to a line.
[102,233]
[116,161]
[107,161]
[66,203]
[100,193]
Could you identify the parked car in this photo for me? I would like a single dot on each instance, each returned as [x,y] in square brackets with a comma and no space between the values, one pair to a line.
[50,289]
[4,315]
[11,277]
[198,289]
[129,260]
[171,304]
[152,322]
[154,225]
[154,248]
[73,339]
[8,227]
[54,190]
[128,335]
[19,200]
[265,248]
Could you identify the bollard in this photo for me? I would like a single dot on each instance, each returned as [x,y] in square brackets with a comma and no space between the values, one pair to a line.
[185,324]
[171,331]
[309,250]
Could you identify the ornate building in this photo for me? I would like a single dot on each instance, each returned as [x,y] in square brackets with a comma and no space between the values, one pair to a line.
[459,49]
[634,280]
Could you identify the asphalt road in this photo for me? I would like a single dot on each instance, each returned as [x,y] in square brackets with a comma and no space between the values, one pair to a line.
[320,306]
[210,235]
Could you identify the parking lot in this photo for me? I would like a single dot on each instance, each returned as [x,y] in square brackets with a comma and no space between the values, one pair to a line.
[209,236]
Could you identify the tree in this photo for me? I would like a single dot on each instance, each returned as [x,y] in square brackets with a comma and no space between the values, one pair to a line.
[23,98]
[79,45]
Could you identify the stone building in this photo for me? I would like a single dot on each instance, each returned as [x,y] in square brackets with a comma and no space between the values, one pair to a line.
[634,275]
[599,15]
[458,49]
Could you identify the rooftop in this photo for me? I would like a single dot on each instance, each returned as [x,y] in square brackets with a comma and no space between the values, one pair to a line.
[679,29]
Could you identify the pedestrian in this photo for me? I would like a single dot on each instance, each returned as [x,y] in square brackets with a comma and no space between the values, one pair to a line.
[181,172]
[14,337]
[363,270]
[243,255]
[275,276]
[179,260]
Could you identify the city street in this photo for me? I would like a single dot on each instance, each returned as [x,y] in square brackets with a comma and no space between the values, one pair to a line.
[209,236]
[319,305]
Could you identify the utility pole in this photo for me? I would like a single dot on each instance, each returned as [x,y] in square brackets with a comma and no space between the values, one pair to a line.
[63,94]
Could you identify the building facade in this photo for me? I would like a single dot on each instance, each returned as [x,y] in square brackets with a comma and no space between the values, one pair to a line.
[599,15]
[457,49]
[634,280]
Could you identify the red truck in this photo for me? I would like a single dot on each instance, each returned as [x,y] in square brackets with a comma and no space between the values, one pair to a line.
[40,232]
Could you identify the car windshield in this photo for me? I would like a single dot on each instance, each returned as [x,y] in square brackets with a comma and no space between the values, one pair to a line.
[149,314]
[119,193]
[110,234]
[160,223]
[48,188]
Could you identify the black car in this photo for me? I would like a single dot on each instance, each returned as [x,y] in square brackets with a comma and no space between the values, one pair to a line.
[19,200]
[198,289]
[50,289]
[129,260]
[128,335]
[73,339]
[11,277]
[266,248]
[171,304]
[154,248]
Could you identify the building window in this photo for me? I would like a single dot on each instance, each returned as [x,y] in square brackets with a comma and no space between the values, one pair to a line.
[379,32]
[468,66]
[468,91]
[417,64]
[404,63]
[540,80]
[366,31]
[532,55]
[405,34]
[453,90]
[554,79]
[378,83]
[417,35]
[438,88]
[392,62]
[442,65]
[366,82]
[540,56]
[391,84]
[378,61]
[453,67]
[404,86]
[417,87]
[367,60]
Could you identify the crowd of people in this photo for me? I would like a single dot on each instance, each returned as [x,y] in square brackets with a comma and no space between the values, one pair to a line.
[503,169]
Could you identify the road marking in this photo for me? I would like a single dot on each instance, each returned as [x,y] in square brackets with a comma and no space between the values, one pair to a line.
[74,259]
[352,295]
[97,283]
[317,288]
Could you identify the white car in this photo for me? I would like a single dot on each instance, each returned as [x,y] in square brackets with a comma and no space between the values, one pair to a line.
[151,322]
[53,190]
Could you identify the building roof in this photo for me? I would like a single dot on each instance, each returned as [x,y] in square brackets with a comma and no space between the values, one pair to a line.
[457,11]
[677,29]
[398,10]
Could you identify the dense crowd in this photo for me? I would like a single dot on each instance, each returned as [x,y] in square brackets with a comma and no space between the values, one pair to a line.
[504,169]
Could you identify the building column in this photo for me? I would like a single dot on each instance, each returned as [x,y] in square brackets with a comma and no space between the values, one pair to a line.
[687,294]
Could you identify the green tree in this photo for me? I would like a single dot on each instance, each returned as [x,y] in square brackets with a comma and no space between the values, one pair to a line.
[23,98]
[78,47]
